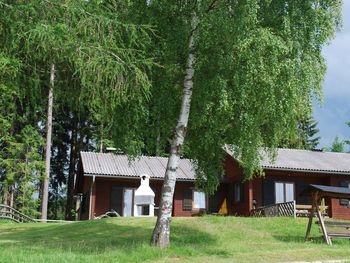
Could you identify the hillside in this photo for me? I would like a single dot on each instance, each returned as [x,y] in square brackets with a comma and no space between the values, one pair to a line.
[205,239]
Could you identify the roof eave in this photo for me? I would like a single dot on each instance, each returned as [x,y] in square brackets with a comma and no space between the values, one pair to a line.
[134,177]
[304,170]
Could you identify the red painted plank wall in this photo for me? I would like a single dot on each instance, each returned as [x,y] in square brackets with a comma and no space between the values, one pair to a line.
[339,211]
[104,187]
[234,174]
[178,199]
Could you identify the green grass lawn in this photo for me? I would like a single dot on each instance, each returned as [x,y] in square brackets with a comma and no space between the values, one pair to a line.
[200,239]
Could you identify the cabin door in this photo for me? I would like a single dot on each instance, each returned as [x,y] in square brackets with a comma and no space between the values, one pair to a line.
[128,201]
[117,200]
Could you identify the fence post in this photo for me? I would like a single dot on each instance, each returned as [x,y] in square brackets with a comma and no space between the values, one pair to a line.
[294,209]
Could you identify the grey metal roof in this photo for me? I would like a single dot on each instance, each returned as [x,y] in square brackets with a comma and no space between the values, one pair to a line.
[304,160]
[118,165]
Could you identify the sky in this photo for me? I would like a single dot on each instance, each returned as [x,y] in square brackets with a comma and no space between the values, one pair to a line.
[335,111]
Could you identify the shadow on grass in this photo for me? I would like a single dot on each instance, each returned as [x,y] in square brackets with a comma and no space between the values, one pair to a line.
[103,236]
[299,239]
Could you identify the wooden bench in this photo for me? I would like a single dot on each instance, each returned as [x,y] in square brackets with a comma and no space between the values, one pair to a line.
[337,229]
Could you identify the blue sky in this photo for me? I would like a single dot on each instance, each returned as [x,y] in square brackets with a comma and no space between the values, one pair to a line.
[335,111]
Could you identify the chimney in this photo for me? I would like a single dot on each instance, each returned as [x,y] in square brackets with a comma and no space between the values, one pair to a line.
[144,198]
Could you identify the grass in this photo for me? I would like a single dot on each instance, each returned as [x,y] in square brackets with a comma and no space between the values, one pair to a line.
[203,239]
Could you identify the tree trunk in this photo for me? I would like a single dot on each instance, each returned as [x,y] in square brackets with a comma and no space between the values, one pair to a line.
[72,162]
[5,195]
[45,186]
[12,193]
[161,232]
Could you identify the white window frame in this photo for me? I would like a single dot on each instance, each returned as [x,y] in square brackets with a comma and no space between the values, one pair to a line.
[284,185]
[202,204]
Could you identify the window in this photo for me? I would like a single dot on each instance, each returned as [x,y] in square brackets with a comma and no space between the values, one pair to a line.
[284,192]
[238,192]
[84,203]
[187,201]
[344,202]
[193,200]
[199,201]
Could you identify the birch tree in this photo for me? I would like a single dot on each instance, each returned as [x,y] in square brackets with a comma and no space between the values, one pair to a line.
[257,66]
[161,232]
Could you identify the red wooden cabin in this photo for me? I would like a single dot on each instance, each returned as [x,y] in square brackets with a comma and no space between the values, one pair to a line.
[107,181]
[286,178]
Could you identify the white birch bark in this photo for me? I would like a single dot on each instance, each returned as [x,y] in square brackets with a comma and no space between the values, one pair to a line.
[45,188]
[161,232]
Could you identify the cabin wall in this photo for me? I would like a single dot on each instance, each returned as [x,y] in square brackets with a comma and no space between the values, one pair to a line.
[233,172]
[103,187]
[300,180]
[234,175]
[85,205]
[337,210]
[178,210]
[216,201]
[258,191]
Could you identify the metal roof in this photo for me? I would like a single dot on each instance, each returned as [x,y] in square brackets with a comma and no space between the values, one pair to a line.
[306,161]
[118,165]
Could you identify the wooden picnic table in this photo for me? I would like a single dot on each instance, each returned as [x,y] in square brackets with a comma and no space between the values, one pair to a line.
[335,229]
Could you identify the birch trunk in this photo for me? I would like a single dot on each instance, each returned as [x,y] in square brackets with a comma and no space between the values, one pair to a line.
[161,232]
[45,187]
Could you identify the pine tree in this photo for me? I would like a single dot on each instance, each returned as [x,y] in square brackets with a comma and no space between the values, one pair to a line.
[309,130]
[337,145]
[305,136]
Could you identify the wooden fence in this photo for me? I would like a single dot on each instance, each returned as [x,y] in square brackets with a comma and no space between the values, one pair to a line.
[286,209]
[280,209]
[9,213]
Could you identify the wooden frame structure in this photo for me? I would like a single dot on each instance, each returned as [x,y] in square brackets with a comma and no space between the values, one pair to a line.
[317,192]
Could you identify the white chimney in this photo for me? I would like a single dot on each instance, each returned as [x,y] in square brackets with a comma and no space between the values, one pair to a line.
[144,198]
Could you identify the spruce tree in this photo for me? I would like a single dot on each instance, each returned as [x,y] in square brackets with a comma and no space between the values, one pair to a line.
[337,145]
